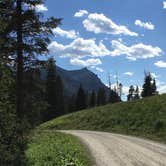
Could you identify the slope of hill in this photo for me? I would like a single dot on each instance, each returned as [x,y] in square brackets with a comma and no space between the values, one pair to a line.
[145,118]
[73,79]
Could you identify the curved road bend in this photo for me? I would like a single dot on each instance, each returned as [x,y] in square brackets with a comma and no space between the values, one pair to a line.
[118,150]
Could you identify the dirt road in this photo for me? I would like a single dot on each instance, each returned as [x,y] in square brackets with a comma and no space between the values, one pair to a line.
[119,150]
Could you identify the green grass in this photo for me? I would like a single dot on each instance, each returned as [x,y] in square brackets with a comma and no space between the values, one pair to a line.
[50,148]
[144,118]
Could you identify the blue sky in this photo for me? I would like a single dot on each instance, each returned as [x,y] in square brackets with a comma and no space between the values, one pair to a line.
[109,36]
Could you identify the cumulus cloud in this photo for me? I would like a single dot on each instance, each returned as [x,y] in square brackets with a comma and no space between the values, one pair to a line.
[129,73]
[134,52]
[79,48]
[164,5]
[71,34]
[85,63]
[41,8]
[80,13]
[160,64]
[99,23]
[146,25]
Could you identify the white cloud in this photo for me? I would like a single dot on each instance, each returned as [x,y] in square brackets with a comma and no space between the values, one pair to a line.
[160,64]
[79,48]
[134,52]
[99,23]
[80,13]
[85,63]
[125,90]
[71,34]
[41,8]
[162,89]
[164,5]
[154,75]
[146,25]
[99,69]
[161,86]
[129,73]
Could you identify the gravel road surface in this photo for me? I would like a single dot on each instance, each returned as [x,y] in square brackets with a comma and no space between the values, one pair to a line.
[109,149]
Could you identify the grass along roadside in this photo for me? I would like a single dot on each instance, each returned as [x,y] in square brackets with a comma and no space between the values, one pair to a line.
[144,118]
[50,148]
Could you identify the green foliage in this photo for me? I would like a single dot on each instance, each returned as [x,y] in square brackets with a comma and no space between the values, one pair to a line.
[149,86]
[11,152]
[101,97]
[59,97]
[34,96]
[18,16]
[113,97]
[55,149]
[145,118]
[54,92]
[51,96]
[26,35]
[92,102]
[159,125]
[81,99]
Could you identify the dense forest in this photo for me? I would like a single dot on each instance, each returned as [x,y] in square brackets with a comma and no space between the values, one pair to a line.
[25,99]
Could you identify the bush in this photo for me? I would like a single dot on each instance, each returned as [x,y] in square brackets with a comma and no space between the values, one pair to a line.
[12,142]
[158,125]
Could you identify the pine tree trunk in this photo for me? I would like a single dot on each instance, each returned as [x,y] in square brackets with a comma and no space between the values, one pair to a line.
[19,60]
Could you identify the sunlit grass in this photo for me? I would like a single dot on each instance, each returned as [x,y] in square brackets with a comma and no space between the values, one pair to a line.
[145,118]
[49,148]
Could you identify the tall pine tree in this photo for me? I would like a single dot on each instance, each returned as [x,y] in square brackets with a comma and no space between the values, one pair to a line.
[149,86]
[113,97]
[101,97]
[130,96]
[137,95]
[81,99]
[28,36]
[92,101]
[51,96]
[59,97]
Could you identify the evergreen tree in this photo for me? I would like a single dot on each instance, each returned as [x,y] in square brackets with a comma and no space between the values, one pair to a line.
[24,35]
[149,87]
[81,99]
[27,34]
[131,93]
[113,97]
[137,96]
[154,87]
[72,104]
[51,96]
[101,97]
[120,87]
[59,97]
[11,152]
[34,95]
[92,101]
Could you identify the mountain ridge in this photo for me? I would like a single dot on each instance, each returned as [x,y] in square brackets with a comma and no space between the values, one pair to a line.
[72,79]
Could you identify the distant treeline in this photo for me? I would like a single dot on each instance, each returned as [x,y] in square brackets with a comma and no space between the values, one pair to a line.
[59,104]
